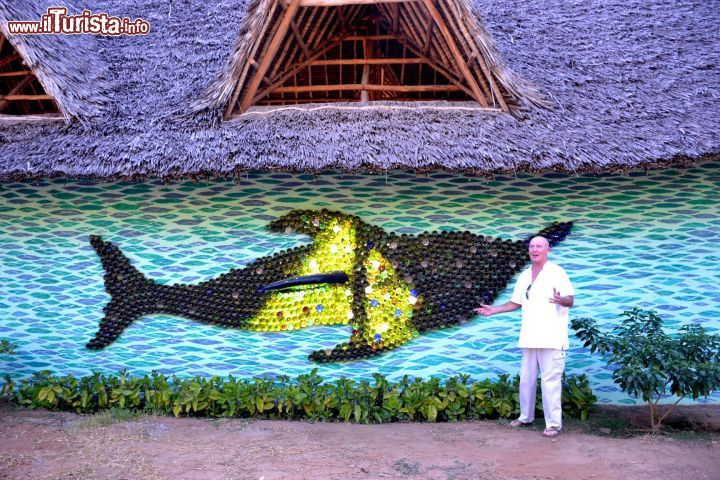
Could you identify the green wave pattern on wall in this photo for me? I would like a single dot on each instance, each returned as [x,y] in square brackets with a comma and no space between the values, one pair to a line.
[644,239]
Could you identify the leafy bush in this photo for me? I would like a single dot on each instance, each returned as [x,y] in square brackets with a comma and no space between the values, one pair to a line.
[7,347]
[308,397]
[651,364]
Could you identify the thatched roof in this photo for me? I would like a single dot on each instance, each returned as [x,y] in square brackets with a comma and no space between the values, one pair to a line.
[281,43]
[633,83]
[68,68]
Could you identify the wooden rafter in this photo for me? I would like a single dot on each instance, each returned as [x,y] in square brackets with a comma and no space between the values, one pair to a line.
[246,67]
[341,16]
[452,12]
[395,16]
[448,56]
[368,87]
[479,97]
[289,49]
[20,91]
[13,94]
[296,69]
[449,75]
[19,73]
[368,61]
[301,56]
[270,53]
[9,59]
[296,34]
[428,35]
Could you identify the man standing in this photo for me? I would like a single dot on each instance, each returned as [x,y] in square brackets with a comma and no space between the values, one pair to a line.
[545,294]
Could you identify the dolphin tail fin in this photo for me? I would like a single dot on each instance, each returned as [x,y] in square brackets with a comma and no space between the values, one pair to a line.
[126,286]
[555,233]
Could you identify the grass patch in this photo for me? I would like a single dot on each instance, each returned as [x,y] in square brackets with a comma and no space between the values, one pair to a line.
[109,417]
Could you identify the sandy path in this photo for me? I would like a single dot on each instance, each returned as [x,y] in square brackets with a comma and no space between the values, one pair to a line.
[48,445]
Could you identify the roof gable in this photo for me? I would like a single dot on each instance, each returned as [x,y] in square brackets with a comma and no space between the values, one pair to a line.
[66,66]
[310,51]
[21,93]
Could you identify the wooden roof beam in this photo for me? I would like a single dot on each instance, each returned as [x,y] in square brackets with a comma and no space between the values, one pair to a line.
[337,3]
[395,12]
[269,54]
[296,69]
[9,59]
[296,33]
[367,86]
[19,73]
[454,14]
[341,16]
[456,53]
[13,93]
[17,98]
[246,68]
[428,35]
[368,61]
[448,74]
[357,38]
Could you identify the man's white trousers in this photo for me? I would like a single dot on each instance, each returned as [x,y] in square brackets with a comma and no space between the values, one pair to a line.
[551,363]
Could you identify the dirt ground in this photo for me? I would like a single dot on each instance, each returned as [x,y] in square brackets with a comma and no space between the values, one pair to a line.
[49,445]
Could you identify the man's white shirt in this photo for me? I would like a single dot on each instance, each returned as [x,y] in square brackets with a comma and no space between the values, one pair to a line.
[544,324]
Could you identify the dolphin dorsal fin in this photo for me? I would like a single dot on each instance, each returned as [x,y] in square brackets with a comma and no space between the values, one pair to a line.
[314,222]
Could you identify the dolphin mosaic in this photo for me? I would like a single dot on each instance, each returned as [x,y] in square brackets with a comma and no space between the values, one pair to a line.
[388,287]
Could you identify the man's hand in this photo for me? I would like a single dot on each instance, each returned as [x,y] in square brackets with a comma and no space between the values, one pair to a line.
[486,310]
[566,301]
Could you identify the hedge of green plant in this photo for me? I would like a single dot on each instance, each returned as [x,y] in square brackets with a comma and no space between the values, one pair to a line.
[308,397]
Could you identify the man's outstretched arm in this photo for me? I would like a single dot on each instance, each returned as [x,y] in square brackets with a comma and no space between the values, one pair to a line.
[487,310]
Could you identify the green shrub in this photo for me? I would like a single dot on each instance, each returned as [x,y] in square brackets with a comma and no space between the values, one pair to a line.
[7,347]
[649,363]
[309,397]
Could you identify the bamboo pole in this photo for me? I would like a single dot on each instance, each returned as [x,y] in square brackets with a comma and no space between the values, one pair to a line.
[20,73]
[9,59]
[13,94]
[491,85]
[369,87]
[368,61]
[269,54]
[364,96]
[448,74]
[456,52]
[298,67]
[246,67]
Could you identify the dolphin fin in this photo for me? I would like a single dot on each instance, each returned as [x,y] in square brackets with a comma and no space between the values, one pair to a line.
[313,223]
[126,286]
[315,279]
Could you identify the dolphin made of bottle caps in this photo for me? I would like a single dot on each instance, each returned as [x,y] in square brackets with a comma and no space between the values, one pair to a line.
[388,287]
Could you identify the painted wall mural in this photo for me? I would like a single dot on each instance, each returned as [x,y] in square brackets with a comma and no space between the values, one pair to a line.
[647,240]
[388,287]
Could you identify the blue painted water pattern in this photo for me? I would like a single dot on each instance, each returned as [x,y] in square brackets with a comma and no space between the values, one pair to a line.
[643,239]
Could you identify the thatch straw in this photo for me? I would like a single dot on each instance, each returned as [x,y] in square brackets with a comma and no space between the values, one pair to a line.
[636,84]
[68,67]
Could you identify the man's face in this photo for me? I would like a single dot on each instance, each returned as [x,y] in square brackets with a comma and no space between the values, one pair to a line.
[539,249]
